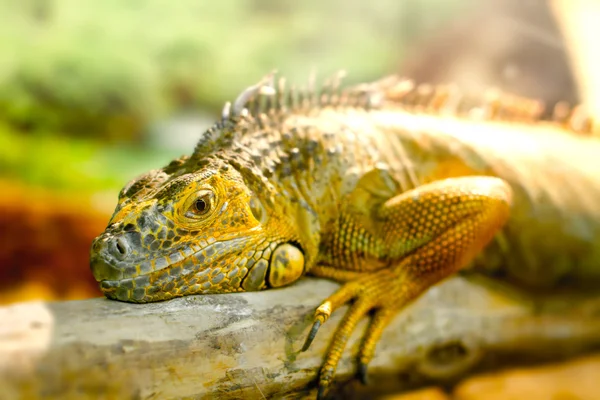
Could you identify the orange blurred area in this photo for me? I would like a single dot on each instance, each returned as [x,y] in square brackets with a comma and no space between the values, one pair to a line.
[44,251]
[571,380]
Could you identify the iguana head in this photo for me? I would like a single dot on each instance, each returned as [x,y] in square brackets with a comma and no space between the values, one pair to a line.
[205,223]
[177,231]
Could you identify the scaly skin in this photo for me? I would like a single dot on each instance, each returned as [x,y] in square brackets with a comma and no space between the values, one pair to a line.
[375,186]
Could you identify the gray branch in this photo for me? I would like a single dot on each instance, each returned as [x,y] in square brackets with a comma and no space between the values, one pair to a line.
[246,345]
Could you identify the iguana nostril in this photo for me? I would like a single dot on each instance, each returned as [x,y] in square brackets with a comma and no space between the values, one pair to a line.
[119,248]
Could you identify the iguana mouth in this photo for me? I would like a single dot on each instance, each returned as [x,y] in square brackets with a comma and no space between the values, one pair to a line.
[202,267]
[106,268]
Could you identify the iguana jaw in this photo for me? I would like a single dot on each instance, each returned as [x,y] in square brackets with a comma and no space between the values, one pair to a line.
[221,266]
[248,263]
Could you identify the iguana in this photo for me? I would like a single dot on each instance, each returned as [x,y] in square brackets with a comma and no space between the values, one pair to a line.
[387,187]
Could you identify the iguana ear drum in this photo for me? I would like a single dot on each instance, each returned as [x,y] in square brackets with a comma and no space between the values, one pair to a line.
[258,210]
[287,265]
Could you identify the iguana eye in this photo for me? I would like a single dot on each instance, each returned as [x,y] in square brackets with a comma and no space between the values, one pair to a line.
[201,205]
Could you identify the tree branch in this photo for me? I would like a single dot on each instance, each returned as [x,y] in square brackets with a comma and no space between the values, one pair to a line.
[245,345]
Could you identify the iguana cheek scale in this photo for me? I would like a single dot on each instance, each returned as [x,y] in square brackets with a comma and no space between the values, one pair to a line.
[372,186]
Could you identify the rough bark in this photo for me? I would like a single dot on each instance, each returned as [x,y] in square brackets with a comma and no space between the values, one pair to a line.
[245,345]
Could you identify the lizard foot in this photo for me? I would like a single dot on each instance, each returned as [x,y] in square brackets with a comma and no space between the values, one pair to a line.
[434,231]
[378,292]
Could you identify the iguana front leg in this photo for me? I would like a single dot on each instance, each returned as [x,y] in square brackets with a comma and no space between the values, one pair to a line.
[430,233]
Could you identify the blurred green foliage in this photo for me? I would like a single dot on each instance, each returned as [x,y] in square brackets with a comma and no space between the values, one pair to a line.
[109,69]
[74,163]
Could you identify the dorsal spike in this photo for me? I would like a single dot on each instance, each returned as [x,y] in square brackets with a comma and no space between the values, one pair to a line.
[337,79]
[226,113]
[561,112]
[399,90]
[263,87]
[424,95]
[580,120]
[329,91]
[324,92]
[438,99]
[453,100]
[281,95]
[292,98]
[492,103]
[304,98]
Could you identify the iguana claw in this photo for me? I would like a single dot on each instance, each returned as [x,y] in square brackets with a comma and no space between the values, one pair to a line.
[361,373]
[311,335]
[321,393]
[322,314]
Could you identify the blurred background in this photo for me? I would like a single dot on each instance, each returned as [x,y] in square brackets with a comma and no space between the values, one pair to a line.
[93,93]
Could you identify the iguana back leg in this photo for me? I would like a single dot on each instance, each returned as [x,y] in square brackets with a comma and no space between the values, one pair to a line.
[430,233]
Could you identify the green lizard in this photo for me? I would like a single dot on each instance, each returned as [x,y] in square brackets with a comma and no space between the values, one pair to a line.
[384,187]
